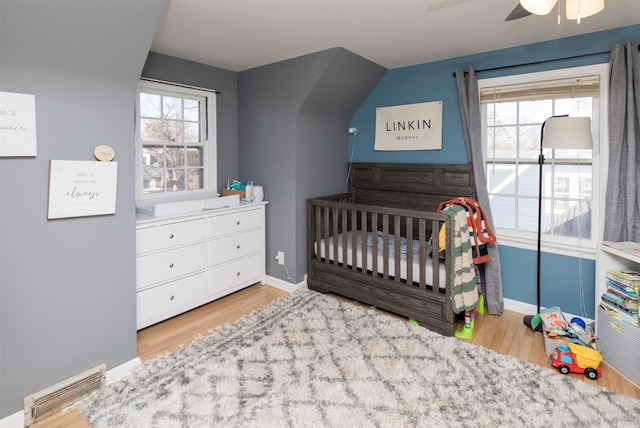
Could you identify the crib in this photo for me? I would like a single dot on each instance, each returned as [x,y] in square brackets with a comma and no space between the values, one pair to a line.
[376,244]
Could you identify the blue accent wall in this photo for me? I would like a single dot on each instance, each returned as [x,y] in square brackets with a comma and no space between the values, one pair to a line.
[435,82]
[560,279]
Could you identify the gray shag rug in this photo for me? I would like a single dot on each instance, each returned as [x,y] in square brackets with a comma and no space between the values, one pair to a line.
[309,360]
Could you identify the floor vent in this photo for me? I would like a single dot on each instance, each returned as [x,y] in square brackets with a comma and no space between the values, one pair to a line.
[57,397]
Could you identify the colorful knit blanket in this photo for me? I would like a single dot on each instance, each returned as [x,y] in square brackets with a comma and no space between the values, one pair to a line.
[462,278]
[481,233]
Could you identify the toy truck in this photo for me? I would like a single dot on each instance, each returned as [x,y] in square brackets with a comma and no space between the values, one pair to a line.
[576,358]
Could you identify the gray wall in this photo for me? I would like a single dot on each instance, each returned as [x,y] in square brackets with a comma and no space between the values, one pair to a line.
[170,69]
[293,121]
[67,286]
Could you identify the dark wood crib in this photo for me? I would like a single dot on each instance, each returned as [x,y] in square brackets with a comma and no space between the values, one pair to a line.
[374,243]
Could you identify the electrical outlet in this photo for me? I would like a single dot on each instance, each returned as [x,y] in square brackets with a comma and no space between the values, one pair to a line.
[280,257]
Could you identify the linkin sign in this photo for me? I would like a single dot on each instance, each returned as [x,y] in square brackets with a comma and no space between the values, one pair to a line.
[409,127]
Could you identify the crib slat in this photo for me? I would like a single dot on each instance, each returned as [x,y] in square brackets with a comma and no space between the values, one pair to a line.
[363,236]
[354,240]
[385,246]
[326,234]
[409,259]
[374,247]
[318,233]
[448,261]
[396,248]
[435,252]
[422,236]
[344,227]
[334,235]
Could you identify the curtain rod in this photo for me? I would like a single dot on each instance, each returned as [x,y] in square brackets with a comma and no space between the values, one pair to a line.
[180,85]
[539,62]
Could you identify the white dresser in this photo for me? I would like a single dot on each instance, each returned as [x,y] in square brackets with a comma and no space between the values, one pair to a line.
[185,261]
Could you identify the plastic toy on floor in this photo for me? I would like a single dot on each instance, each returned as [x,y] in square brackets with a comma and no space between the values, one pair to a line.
[575,358]
[468,330]
[480,307]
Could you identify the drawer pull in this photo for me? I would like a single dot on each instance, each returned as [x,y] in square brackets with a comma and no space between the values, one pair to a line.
[171,297]
[170,265]
[237,273]
[238,247]
[238,223]
[171,236]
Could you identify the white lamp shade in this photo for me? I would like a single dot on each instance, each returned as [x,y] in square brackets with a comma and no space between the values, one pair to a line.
[539,7]
[583,8]
[567,132]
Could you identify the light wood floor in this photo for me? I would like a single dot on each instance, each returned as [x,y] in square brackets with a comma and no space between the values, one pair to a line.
[506,334]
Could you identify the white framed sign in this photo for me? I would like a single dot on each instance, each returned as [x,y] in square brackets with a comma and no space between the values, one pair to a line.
[409,127]
[17,124]
[82,188]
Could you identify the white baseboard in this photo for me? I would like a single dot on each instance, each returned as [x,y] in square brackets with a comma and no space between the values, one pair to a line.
[16,420]
[529,309]
[520,307]
[286,285]
[123,370]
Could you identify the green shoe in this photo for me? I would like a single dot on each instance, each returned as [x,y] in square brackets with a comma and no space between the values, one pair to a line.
[533,322]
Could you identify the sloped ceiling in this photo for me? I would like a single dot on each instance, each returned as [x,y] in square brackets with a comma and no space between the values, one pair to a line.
[241,34]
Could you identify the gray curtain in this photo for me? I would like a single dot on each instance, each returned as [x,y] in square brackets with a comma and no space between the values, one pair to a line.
[468,98]
[622,215]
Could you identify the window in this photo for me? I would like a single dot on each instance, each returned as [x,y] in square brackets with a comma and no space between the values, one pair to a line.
[513,111]
[175,141]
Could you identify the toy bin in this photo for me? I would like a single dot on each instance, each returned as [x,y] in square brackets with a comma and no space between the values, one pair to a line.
[620,345]
[550,344]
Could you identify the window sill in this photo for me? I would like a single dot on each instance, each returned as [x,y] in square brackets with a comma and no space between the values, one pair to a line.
[583,249]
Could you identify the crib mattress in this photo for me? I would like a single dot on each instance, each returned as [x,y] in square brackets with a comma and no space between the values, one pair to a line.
[361,239]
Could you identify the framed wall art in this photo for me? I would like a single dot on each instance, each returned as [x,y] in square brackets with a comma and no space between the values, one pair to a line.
[82,188]
[17,124]
[409,127]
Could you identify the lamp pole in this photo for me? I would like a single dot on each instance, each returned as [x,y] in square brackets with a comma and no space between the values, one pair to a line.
[541,163]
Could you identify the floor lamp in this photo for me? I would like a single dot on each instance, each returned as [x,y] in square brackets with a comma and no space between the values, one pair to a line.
[560,132]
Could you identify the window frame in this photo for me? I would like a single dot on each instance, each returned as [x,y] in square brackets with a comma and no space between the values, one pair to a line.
[578,247]
[209,143]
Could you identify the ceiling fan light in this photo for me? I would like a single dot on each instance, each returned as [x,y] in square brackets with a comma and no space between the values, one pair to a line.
[577,9]
[539,7]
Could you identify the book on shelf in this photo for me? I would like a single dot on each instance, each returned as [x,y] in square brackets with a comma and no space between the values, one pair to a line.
[630,305]
[624,277]
[614,287]
[619,314]
[632,248]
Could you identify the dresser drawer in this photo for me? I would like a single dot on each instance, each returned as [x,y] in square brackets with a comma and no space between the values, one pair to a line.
[170,299]
[169,235]
[231,247]
[166,265]
[244,271]
[234,222]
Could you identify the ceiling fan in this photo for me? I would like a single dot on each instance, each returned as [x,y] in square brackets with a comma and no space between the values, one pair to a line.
[575,9]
